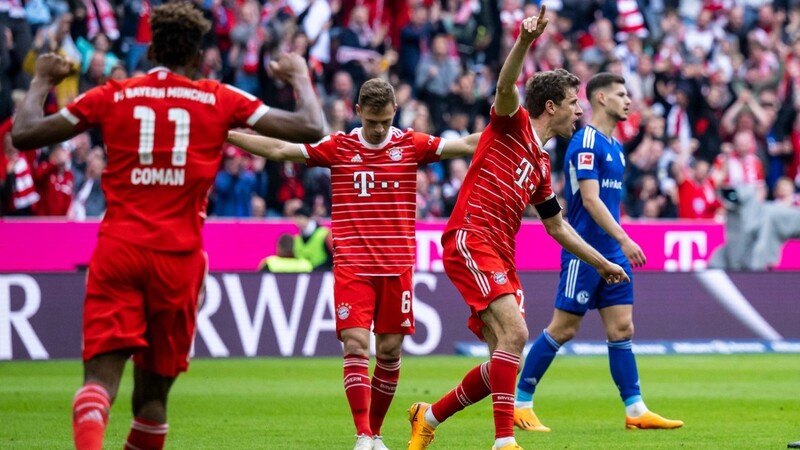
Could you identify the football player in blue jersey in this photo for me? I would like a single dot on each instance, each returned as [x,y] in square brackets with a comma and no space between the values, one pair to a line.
[593,167]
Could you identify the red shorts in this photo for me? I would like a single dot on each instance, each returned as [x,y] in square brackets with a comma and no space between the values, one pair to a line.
[479,274]
[361,300]
[144,300]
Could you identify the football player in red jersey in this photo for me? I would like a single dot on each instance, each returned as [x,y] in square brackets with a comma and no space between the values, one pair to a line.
[374,180]
[509,171]
[163,134]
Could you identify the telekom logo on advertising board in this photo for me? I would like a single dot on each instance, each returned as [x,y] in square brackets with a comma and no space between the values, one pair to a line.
[679,251]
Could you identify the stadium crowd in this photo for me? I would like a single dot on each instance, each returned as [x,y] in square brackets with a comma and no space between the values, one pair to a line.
[715,86]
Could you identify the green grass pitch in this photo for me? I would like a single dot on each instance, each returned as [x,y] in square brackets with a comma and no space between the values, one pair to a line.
[727,401]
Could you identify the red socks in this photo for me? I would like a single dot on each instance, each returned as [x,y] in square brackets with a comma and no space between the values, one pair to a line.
[503,378]
[473,388]
[146,435]
[357,389]
[384,383]
[90,416]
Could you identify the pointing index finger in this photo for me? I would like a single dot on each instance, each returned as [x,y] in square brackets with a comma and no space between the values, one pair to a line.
[542,11]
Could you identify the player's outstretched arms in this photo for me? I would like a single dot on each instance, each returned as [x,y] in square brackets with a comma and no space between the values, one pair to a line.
[563,232]
[305,123]
[31,129]
[267,147]
[507,99]
[465,146]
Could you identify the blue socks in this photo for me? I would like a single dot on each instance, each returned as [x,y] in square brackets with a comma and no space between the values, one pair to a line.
[538,360]
[622,363]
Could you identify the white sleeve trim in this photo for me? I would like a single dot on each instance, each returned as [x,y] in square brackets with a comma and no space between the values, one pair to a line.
[441,146]
[304,150]
[257,114]
[72,118]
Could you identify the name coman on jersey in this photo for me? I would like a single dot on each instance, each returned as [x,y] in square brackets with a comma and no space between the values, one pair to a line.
[374,196]
[158,176]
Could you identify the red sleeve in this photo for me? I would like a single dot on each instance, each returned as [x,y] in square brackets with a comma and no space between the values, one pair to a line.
[245,109]
[321,153]
[428,148]
[545,189]
[517,119]
[89,108]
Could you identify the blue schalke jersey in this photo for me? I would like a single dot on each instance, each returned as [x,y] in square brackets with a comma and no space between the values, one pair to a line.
[593,155]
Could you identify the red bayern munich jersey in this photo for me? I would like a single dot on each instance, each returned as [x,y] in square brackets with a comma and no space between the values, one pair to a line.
[374,196]
[509,171]
[163,134]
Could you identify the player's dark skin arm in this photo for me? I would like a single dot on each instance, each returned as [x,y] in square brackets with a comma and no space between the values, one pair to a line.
[31,128]
[305,123]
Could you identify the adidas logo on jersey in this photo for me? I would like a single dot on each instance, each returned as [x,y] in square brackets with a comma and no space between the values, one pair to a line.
[356,159]
[406,323]
[609,158]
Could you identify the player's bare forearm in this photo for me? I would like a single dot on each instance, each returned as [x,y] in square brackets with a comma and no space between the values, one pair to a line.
[507,99]
[266,147]
[31,129]
[304,124]
[307,103]
[455,148]
[602,216]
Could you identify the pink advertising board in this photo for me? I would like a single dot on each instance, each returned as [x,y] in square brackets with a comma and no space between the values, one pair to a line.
[50,245]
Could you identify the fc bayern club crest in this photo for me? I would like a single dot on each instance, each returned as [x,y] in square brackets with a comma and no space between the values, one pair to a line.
[395,154]
[500,277]
[343,311]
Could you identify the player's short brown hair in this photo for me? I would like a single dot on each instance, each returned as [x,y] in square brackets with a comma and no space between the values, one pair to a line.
[177,29]
[376,94]
[601,81]
[551,85]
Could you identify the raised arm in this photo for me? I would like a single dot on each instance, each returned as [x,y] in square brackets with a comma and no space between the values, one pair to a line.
[305,123]
[465,146]
[31,128]
[562,232]
[590,195]
[506,101]
[267,147]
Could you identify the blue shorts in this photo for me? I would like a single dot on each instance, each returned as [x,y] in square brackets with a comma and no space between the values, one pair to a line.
[581,288]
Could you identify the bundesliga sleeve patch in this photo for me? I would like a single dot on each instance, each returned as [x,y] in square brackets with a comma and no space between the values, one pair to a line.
[585,161]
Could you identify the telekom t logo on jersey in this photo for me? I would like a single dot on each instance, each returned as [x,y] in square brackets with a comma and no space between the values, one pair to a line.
[364,181]
[523,171]
[679,250]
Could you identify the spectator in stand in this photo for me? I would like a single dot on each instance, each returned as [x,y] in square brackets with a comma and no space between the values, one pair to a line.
[18,189]
[359,44]
[235,186]
[414,39]
[90,201]
[342,89]
[429,195]
[785,192]
[738,166]
[313,242]
[451,188]
[284,260]
[55,38]
[696,191]
[247,36]
[436,73]
[54,183]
